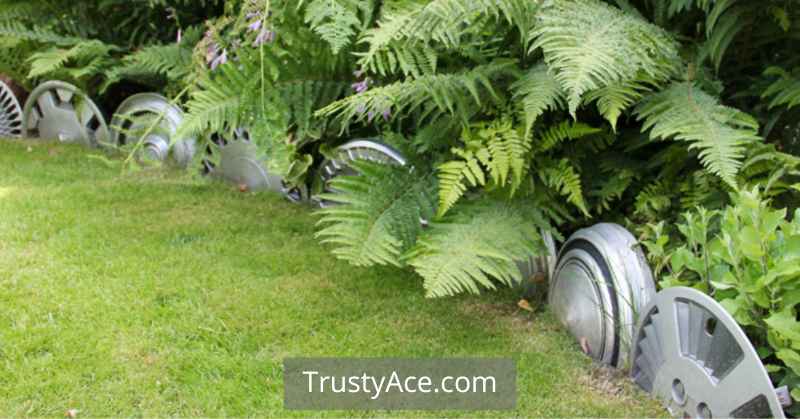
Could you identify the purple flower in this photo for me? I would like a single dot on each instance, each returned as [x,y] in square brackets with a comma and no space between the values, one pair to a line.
[211,53]
[387,113]
[219,60]
[370,116]
[263,37]
[361,86]
[256,25]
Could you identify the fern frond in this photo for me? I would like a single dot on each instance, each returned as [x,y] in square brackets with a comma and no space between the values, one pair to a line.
[456,176]
[590,45]
[378,213]
[476,248]
[785,91]
[432,95]
[536,91]
[562,176]
[338,21]
[686,113]
[698,190]
[559,133]
[615,98]
[402,38]
[675,7]
[49,61]
[42,35]
[724,21]
[610,189]
[303,97]
[653,199]
[217,104]
[171,62]
[496,147]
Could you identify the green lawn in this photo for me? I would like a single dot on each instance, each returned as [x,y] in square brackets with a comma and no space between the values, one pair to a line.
[155,294]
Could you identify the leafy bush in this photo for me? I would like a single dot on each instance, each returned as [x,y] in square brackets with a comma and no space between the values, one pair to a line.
[96,45]
[573,110]
[746,256]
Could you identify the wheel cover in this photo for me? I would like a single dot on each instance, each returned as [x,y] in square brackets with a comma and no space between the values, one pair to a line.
[598,289]
[137,114]
[236,161]
[366,149]
[10,113]
[690,354]
[58,110]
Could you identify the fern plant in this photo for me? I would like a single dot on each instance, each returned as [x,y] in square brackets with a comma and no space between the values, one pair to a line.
[477,248]
[377,216]
[590,45]
[84,42]
[689,114]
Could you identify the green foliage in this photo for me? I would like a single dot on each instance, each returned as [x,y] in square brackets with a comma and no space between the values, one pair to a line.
[502,97]
[591,45]
[537,92]
[785,91]
[404,39]
[268,86]
[171,63]
[686,113]
[220,104]
[375,216]
[497,148]
[338,21]
[457,94]
[725,18]
[748,257]
[562,176]
[477,247]
[85,41]
[89,57]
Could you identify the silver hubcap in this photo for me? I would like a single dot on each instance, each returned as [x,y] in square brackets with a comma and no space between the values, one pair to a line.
[690,354]
[57,110]
[150,119]
[10,113]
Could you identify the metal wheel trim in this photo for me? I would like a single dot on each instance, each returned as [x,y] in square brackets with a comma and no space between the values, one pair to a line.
[11,117]
[660,358]
[63,122]
[636,267]
[592,306]
[632,281]
[374,144]
[239,164]
[182,151]
[625,323]
[355,150]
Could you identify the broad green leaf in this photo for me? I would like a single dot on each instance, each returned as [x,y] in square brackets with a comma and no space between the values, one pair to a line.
[772,368]
[738,308]
[750,243]
[791,249]
[680,258]
[785,323]
[791,358]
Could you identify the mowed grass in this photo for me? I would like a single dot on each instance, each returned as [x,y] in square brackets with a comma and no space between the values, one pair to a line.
[154,294]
